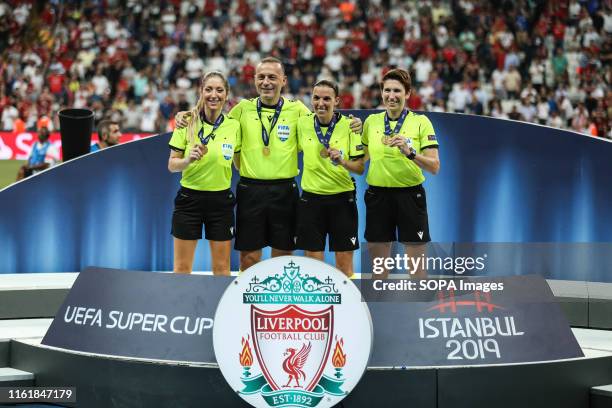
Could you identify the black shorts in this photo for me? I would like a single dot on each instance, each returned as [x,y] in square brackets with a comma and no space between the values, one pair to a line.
[401,209]
[266,214]
[213,209]
[320,215]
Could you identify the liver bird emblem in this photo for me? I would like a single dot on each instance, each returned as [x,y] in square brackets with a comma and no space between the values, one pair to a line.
[294,362]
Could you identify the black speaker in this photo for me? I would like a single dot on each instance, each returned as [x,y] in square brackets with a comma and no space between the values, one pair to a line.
[76,126]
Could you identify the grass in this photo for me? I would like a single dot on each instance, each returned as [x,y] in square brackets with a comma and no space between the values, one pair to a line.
[8,171]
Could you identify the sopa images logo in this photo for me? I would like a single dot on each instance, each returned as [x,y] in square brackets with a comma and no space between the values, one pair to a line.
[292,331]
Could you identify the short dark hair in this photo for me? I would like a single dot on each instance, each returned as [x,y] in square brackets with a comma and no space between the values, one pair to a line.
[400,75]
[328,83]
[273,60]
[104,127]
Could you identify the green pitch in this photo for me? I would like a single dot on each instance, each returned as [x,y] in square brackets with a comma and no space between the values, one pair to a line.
[8,171]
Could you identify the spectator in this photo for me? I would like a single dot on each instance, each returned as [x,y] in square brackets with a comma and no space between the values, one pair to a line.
[96,54]
[43,155]
[109,135]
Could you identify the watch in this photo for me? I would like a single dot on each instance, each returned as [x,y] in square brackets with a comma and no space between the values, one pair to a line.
[412,154]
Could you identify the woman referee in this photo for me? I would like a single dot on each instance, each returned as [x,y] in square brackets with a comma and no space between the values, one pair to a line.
[203,151]
[400,144]
[327,205]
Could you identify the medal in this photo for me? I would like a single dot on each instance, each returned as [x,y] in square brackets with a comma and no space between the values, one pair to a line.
[324,139]
[211,135]
[385,139]
[265,136]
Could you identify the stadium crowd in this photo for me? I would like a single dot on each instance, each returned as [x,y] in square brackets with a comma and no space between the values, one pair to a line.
[137,63]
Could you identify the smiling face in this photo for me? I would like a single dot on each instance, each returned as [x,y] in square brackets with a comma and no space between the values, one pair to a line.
[269,82]
[324,100]
[214,93]
[394,95]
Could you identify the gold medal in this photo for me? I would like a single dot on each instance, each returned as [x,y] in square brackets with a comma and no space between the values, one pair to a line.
[323,153]
[204,149]
[385,139]
[266,151]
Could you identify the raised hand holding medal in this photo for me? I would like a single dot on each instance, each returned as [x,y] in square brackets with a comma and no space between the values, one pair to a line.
[389,135]
[265,136]
[324,139]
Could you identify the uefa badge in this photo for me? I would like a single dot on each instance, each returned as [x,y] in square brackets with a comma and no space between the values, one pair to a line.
[292,332]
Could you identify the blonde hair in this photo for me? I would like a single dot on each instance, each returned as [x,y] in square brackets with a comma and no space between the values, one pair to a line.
[195,111]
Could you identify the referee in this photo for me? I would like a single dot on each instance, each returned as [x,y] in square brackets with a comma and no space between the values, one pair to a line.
[203,151]
[327,206]
[400,144]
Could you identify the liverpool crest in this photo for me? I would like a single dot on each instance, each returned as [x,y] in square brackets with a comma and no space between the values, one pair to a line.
[296,327]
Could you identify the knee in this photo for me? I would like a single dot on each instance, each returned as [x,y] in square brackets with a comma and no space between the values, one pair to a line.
[221,267]
[182,267]
[248,259]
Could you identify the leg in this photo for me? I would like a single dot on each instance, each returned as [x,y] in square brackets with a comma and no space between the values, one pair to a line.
[220,251]
[249,258]
[280,252]
[344,262]
[251,229]
[21,174]
[415,250]
[379,250]
[184,251]
[315,254]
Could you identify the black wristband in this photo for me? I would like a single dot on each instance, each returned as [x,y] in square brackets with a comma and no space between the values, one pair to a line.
[412,154]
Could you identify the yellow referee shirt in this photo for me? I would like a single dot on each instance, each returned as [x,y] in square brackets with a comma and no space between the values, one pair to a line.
[213,172]
[281,163]
[389,167]
[320,175]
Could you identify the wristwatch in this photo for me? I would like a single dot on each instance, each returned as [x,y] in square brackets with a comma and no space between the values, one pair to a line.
[412,154]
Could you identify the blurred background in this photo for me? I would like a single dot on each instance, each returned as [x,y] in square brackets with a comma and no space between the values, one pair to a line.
[138,63]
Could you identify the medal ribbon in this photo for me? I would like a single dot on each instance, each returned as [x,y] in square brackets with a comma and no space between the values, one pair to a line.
[216,125]
[265,136]
[398,125]
[330,129]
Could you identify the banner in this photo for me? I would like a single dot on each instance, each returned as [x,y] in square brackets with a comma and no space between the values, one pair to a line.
[157,316]
[466,321]
[17,146]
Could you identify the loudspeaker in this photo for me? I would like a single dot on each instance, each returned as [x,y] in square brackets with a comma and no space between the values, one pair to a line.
[76,126]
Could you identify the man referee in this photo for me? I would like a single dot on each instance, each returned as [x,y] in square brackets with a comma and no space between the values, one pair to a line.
[267,193]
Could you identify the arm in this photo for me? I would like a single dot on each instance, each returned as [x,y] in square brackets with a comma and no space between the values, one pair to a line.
[356,124]
[427,160]
[181,119]
[354,165]
[237,161]
[177,162]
